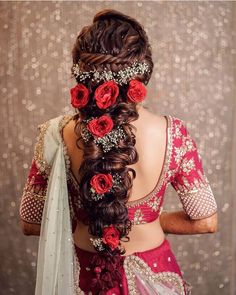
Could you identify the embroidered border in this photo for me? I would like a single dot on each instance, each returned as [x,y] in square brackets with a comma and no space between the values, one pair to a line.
[62,123]
[42,165]
[134,264]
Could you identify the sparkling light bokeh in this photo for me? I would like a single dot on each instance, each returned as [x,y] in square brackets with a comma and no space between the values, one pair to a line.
[194,76]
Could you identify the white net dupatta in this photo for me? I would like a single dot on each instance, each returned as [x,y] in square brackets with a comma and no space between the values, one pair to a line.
[56,258]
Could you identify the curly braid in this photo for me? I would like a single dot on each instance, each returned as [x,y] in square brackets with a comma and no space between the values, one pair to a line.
[113,42]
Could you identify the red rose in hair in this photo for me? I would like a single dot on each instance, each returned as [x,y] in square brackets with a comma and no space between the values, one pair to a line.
[136,91]
[111,236]
[102,183]
[101,126]
[79,96]
[106,94]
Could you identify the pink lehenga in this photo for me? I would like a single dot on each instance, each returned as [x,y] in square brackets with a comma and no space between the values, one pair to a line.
[50,198]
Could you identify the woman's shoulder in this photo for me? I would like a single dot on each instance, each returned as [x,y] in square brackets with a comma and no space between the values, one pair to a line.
[161,121]
[55,123]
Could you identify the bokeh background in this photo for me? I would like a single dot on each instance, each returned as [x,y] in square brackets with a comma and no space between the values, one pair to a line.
[194,52]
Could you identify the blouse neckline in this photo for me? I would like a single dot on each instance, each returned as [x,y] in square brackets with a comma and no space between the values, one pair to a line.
[66,119]
[165,166]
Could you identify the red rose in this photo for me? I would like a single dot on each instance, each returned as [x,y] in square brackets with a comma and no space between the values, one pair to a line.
[136,91]
[111,236]
[79,96]
[101,126]
[106,94]
[102,183]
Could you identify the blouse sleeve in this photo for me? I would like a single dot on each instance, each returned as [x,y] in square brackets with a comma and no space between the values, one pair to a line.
[190,181]
[34,192]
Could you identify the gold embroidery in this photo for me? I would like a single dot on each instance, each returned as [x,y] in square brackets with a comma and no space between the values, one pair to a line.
[197,198]
[77,269]
[36,191]
[42,165]
[134,265]
[188,143]
[65,119]
[154,204]
[177,133]
[36,196]
[62,123]
[187,146]
[138,217]
[179,152]
[187,165]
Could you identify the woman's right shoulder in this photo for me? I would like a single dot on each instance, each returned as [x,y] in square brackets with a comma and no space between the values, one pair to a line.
[158,123]
[54,123]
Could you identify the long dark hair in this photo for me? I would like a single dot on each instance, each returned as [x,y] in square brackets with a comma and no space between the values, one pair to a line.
[113,41]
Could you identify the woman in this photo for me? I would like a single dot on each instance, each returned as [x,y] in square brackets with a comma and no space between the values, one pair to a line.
[91,194]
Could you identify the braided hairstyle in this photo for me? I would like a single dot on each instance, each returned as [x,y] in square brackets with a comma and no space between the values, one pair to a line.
[113,42]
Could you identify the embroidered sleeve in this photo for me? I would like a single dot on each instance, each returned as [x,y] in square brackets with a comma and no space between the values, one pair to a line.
[34,192]
[190,181]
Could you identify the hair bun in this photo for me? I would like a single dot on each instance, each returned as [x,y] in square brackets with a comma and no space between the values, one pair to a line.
[109,13]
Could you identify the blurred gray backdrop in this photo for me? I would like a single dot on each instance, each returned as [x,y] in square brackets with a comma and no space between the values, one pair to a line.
[194,79]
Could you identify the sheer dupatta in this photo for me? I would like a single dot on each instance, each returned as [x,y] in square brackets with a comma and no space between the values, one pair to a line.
[57,268]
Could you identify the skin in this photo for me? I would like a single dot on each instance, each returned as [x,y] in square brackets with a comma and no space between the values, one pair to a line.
[150,129]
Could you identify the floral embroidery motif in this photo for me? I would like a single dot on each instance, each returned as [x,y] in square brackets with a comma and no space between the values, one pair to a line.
[177,133]
[154,204]
[179,152]
[138,217]
[187,165]
[188,143]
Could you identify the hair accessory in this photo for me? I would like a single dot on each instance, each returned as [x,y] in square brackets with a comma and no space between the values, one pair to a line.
[97,243]
[106,94]
[108,141]
[120,77]
[79,96]
[104,183]
[110,239]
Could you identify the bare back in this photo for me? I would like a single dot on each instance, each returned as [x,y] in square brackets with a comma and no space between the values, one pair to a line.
[151,137]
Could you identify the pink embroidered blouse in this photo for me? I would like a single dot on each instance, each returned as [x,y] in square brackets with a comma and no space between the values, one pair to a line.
[182,169]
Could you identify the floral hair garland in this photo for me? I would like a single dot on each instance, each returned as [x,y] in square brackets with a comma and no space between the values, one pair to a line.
[120,77]
[100,185]
[106,94]
[101,129]
[103,133]
[110,239]
[104,183]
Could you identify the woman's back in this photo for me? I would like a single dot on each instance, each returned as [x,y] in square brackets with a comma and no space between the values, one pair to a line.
[151,144]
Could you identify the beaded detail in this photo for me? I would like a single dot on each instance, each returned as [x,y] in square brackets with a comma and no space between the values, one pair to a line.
[134,265]
[42,165]
[197,198]
[190,181]
[33,197]
[108,141]
[61,125]
[120,77]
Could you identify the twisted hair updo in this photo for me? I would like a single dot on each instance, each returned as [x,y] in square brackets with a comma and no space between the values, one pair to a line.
[113,42]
